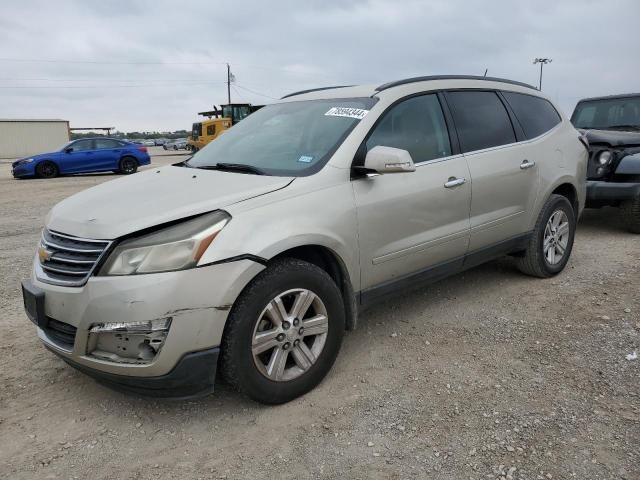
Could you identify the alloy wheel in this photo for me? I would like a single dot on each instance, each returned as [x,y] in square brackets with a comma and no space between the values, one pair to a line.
[556,237]
[290,335]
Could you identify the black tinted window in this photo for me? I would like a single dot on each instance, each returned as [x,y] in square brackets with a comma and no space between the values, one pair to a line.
[481,120]
[536,115]
[416,125]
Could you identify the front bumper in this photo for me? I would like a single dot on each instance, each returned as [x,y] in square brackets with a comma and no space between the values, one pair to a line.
[194,375]
[21,171]
[604,193]
[197,301]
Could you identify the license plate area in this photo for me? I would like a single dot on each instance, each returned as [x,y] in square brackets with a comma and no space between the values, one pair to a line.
[33,299]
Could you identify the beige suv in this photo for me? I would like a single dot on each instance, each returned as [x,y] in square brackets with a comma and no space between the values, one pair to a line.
[256,254]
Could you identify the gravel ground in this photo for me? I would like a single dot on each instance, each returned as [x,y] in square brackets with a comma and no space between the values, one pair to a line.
[488,374]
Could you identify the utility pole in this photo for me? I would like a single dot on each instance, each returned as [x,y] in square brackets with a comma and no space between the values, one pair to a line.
[542,62]
[228,83]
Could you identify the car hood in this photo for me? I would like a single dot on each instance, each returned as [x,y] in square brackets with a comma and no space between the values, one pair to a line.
[157,196]
[615,138]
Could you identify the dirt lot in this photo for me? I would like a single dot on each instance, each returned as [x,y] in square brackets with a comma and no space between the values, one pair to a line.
[488,374]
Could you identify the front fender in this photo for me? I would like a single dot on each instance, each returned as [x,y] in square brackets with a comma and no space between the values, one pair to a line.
[325,217]
[629,165]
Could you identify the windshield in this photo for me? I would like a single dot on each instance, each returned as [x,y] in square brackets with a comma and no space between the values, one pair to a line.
[608,113]
[286,139]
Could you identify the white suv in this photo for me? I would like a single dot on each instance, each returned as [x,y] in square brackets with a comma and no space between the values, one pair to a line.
[256,254]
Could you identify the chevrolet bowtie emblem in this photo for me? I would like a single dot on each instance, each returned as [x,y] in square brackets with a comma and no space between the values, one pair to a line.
[44,254]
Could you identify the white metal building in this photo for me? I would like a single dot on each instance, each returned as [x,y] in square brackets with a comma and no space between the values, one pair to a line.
[22,137]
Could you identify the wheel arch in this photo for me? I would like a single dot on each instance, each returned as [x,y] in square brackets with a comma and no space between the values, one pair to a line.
[568,191]
[328,260]
[129,155]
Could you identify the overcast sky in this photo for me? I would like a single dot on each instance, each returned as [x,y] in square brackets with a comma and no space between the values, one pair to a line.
[152,65]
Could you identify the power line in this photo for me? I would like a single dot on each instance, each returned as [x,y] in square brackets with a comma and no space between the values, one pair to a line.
[17,79]
[237,92]
[101,86]
[101,62]
[256,93]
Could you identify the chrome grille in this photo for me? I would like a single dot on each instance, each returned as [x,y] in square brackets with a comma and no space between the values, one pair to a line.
[67,260]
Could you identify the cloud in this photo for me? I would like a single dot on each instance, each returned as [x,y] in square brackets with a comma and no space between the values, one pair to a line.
[153,65]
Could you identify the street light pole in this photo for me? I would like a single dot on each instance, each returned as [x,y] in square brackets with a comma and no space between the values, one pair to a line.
[542,62]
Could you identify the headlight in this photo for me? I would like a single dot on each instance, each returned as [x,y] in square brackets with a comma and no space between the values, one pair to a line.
[176,247]
[24,160]
[604,157]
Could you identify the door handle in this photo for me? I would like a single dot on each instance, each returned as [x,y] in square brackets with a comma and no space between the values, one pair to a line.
[526,164]
[454,182]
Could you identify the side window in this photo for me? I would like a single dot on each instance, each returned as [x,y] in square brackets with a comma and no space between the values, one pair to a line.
[106,143]
[416,125]
[82,145]
[481,120]
[535,114]
[211,129]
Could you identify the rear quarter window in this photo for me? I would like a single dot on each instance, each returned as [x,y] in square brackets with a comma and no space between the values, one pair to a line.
[536,115]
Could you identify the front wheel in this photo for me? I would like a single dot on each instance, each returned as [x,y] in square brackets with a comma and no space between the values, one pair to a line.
[284,332]
[551,243]
[47,169]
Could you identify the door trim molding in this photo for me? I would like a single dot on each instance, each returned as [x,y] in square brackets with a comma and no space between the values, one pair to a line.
[419,247]
[372,295]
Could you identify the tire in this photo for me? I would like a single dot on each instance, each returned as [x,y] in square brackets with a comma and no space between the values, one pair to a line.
[631,214]
[47,169]
[175,147]
[128,165]
[286,279]
[536,262]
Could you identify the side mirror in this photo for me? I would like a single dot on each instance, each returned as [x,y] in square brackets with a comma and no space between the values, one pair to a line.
[68,150]
[389,160]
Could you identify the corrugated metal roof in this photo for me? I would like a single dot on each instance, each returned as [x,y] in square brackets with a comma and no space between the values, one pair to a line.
[33,120]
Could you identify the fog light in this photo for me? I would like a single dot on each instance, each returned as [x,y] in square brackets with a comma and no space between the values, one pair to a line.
[128,342]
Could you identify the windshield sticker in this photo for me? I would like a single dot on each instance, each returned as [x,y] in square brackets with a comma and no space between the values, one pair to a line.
[357,113]
[305,159]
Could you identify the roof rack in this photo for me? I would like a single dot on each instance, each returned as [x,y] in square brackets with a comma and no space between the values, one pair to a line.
[385,86]
[314,90]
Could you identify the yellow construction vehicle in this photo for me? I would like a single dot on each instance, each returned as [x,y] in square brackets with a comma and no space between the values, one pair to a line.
[218,121]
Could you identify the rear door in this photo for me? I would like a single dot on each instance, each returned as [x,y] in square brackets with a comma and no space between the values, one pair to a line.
[410,223]
[505,179]
[107,153]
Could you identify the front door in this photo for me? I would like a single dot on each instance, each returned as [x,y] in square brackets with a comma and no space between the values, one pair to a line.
[80,157]
[412,223]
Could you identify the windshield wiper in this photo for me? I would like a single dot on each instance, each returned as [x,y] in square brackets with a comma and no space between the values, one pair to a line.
[234,167]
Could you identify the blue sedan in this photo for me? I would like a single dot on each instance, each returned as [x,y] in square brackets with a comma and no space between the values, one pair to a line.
[86,155]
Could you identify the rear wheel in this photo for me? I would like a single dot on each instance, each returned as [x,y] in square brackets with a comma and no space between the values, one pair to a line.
[551,243]
[631,214]
[128,165]
[47,169]
[284,332]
